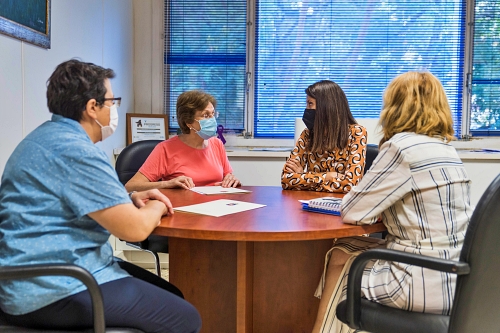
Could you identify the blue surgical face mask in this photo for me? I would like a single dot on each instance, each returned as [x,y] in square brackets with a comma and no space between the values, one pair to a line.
[208,128]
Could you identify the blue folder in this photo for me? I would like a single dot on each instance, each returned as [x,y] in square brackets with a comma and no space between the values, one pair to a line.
[319,210]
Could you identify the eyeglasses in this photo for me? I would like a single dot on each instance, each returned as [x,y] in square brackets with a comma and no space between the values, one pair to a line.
[116,100]
[210,115]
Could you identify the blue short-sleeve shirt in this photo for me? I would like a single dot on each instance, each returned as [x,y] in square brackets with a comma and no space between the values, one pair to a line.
[53,179]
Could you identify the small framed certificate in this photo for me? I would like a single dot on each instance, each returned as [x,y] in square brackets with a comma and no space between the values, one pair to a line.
[146,127]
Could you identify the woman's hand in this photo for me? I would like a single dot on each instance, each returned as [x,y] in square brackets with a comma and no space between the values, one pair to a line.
[333,175]
[140,198]
[229,181]
[181,181]
[293,165]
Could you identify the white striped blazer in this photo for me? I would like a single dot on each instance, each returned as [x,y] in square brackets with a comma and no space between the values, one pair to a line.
[419,187]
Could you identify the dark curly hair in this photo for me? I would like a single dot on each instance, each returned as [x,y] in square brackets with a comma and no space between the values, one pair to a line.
[73,84]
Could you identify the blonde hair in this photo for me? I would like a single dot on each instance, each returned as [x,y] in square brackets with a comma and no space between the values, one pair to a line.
[416,102]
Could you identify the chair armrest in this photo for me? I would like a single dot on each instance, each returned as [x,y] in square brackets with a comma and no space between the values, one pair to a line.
[353,300]
[29,271]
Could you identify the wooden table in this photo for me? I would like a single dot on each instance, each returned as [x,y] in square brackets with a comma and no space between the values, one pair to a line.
[254,271]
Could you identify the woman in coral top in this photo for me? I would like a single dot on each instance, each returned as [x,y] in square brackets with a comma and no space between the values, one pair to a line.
[330,153]
[193,158]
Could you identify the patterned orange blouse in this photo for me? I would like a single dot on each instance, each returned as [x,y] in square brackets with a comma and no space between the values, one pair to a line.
[349,162]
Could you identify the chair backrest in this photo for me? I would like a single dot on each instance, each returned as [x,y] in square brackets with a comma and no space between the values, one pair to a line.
[132,158]
[371,154]
[475,308]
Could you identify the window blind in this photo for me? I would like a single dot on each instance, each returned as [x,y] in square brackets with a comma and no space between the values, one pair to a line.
[206,49]
[485,99]
[361,45]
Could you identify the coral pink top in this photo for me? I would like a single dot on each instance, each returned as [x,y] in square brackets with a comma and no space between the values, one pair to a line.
[173,158]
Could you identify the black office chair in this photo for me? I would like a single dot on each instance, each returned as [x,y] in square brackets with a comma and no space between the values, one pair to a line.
[127,164]
[475,308]
[28,271]
[371,154]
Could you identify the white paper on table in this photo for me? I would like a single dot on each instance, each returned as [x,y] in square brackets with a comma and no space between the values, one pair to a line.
[217,190]
[220,207]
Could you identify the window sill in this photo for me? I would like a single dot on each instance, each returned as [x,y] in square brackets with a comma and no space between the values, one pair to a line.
[476,154]
[240,147]
[478,149]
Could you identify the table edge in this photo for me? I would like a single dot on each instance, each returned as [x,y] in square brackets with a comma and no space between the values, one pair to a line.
[267,236]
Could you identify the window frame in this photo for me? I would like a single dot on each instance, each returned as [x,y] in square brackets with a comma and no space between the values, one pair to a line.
[469,62]
[249,95]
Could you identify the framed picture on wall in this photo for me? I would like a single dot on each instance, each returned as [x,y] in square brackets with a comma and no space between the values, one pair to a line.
[146,127]
[27,20]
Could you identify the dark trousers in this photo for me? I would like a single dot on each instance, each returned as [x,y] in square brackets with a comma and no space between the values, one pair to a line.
[144,301]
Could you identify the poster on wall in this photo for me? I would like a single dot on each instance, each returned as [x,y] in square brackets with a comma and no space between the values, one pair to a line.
[146,127]
[26,20]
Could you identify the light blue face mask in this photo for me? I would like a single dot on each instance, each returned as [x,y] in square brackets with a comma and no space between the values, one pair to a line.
[208,128]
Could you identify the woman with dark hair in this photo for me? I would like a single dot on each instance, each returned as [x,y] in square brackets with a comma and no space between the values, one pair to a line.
[419,188]
[330,153]
[196,157]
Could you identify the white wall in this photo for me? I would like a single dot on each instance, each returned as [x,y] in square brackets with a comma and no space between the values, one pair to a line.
[98,31]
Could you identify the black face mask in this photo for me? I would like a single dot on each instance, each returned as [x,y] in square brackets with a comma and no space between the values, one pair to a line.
[308,118]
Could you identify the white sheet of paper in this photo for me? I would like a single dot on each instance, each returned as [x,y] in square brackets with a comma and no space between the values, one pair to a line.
[219,207]
[217,190]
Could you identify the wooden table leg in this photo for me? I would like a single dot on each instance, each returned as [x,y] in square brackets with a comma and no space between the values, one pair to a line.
[286,275]
[244,287]
[205,271]
[249,287]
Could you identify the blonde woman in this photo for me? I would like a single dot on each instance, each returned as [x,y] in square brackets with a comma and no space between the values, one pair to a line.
[419,188]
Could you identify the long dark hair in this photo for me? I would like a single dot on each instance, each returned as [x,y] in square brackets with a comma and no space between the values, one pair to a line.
[332,119]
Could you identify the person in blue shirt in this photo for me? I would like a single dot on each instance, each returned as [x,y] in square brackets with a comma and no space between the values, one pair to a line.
[60,199]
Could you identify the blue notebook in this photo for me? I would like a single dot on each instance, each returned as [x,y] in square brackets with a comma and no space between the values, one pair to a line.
[326,205]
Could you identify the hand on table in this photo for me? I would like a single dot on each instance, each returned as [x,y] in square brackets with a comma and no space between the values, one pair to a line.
[181,181]
[140,198]
[229,181]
